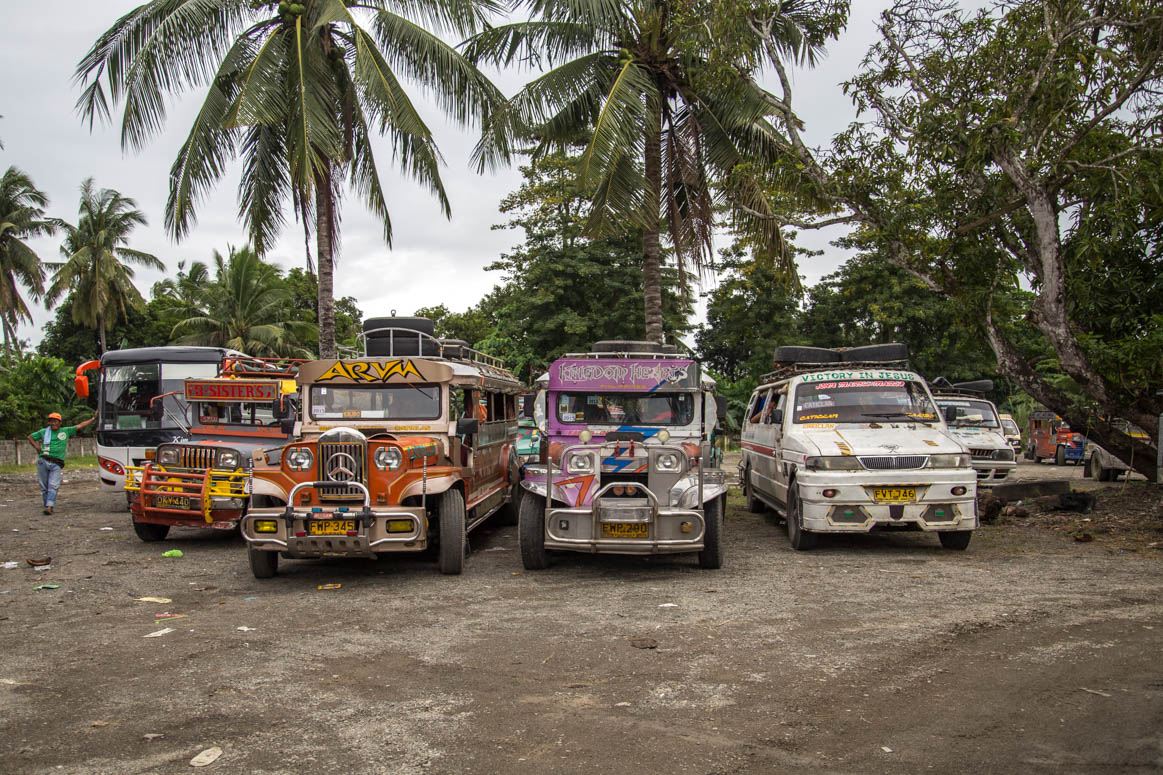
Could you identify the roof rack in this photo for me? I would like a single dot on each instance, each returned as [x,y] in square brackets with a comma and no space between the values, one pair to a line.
[972,389]
[263,368]
[627,355]
[421,345]
[793,369]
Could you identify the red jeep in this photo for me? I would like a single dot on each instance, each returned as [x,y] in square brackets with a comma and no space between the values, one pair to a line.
[1050,437]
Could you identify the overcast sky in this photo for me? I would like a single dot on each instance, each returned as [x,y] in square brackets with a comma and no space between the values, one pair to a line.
[433,260]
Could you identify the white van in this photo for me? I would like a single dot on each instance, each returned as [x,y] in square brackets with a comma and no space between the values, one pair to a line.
[847,441]
[974,421]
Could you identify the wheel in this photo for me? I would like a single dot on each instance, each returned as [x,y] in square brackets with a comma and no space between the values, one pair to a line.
[1028,454]
[507,514]
[955,539]
[801,539]
[149,532]
[892,351]
[794,354]
[754,505]
[263,565]
[1060,456]
[711,555]
[531,532]
[452,538]
[1097,471]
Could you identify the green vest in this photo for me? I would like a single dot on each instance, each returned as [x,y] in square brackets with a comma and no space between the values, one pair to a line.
[56,444]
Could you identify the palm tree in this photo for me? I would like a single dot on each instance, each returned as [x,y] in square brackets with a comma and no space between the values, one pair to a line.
[666,126]
[296,89]
[246,308]
[21,216]
[94,271]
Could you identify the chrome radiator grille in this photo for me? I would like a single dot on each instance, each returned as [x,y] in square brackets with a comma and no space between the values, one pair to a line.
[342,462]
[893,462]
[195,457]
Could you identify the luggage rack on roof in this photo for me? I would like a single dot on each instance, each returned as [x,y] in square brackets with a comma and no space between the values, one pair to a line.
[422,345]
[616,354]
[974,389]
[266,368]
[791,370]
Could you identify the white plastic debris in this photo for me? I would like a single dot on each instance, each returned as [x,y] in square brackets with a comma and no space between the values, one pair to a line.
[244,628]
[159,633]
[209,756]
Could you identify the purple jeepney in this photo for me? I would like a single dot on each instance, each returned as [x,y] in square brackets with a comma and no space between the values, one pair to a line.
[625,460]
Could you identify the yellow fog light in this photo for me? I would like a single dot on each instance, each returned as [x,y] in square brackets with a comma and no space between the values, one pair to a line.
[585,436]
[686,527]
[266,526]
[664,435]
[399,526]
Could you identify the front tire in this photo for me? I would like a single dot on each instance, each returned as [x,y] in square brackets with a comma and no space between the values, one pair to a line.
[801,540]
[149,532]
[955,539]
[452,532]
[263,565]
[711,555]
[1060,456]
[531,532]
[754,505]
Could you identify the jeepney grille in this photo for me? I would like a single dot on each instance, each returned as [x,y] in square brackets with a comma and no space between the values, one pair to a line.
[195,457]
[981,453]
[893,462]
[342,462]
[638,480]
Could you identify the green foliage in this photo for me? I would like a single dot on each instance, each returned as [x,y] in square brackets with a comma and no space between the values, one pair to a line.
[95,272]
[247,308]
[304,290]
[21,217]
[299,95]
[31,386]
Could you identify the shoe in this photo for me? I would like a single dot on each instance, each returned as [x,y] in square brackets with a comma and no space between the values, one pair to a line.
[48,509]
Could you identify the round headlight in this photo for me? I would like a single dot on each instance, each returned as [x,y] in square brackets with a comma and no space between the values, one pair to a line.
[664,435]
[388,458]
[667,462]
[299,458]
[168,456]
[228,458]
[585,436]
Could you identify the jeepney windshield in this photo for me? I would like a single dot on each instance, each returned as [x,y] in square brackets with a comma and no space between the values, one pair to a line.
[383,402]
[128,390]
[626,408]
[971,413]
[862,401]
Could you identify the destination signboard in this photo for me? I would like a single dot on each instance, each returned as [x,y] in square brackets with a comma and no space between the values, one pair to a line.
[231,390]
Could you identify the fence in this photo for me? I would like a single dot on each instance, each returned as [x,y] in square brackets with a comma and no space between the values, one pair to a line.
[20,452]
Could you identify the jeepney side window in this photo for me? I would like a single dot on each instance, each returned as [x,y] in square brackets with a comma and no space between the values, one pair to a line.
[780,399]
[756,411]
[456,403]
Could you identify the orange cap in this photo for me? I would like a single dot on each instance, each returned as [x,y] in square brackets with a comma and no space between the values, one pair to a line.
[54,416]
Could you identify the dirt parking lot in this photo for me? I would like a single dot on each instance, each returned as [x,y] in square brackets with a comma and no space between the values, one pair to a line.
[1033,651]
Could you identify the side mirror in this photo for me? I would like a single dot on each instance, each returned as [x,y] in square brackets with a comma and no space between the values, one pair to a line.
[527,402]
[81,386]
[776,417]
[287,425]
[950,414]
[466,426]
[157,408]
[721,407]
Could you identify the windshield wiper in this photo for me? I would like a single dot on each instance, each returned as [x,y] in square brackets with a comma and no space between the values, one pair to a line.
[891,415]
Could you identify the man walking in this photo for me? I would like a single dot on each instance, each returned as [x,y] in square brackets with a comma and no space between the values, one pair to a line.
[52,444]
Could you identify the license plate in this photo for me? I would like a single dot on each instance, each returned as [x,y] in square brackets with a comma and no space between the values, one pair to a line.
[625,530]
[894,494]
[330,527]
[171,501]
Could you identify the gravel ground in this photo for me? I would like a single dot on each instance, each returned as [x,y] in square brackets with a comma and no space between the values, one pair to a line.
[1031,652]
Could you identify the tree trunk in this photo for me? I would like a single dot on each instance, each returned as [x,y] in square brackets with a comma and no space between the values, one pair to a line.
[325,242]
[651,250]
[101,333]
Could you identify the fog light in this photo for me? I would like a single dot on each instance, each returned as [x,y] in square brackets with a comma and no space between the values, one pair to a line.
[631,490]
[351,533]
[686,527]
[300,533]
[619,490]
[399,526]
[664,435]
[829,493]
[585,436]
[958,490]
[266,526]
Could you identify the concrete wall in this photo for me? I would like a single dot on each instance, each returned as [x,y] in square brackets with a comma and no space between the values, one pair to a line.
[22,453]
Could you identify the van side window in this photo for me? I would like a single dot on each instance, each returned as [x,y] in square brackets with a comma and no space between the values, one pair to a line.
[756,410]
[780,399]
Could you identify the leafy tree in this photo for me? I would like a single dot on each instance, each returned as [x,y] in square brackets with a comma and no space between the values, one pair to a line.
[305,301]
[31,386]
[472,326]
[21,217]
[94,271]
[562,289]
[75,343]
[246,308]
[297,90]
[1013,146]
[665,125]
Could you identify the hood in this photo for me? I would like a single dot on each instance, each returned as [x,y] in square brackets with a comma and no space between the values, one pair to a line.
[887,440]
[978,437]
